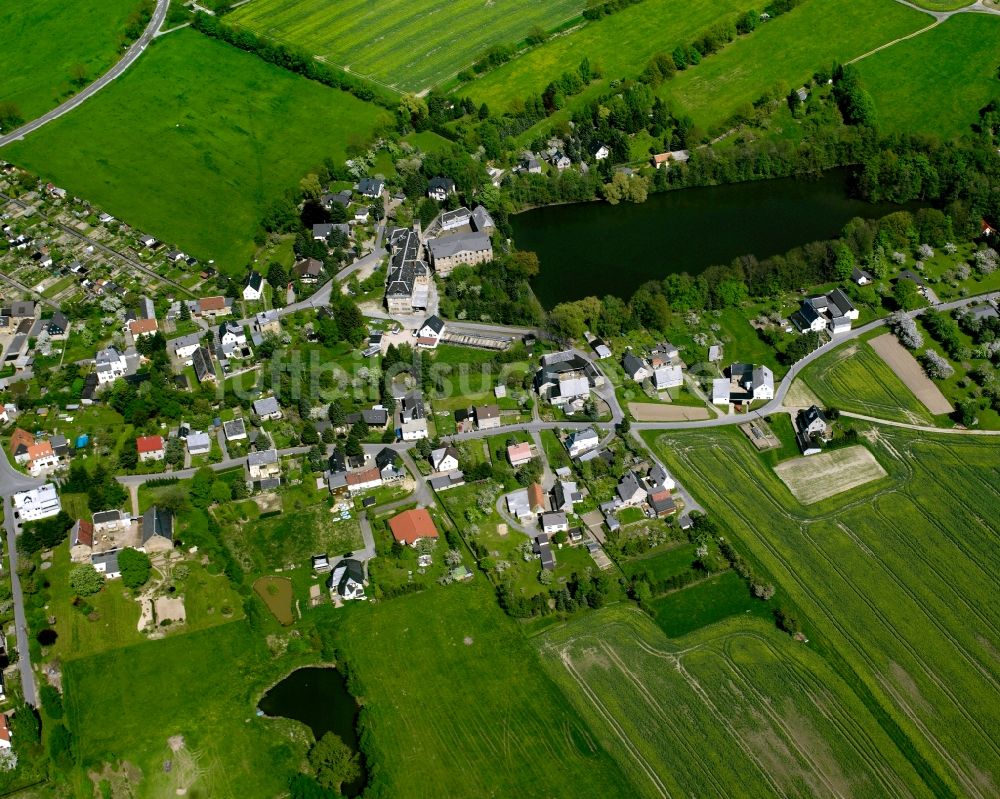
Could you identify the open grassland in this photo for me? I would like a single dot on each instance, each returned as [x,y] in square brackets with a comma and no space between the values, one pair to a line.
[620,44]
[232,134]
[737,710]
[46,42]
[126,704]
[408,46]
[455,703]
[785,52]
[854,378]
[818,477]
[894,583]
[951,69]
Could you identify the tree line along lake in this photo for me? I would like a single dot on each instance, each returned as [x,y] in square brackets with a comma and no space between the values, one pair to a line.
[596,249]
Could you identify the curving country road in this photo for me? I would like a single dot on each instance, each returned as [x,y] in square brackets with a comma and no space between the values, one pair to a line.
[136,50]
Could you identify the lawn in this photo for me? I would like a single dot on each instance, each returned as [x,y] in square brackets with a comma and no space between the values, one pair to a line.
[738,710]
[46,42]
[699,605]
[232,134]
[621,44]
[176,687]
[786,52]
[953,69]
[854,378]
[892,581]
[456,704]
[406,46]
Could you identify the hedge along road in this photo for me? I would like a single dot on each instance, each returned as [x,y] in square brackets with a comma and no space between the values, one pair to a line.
[136,50]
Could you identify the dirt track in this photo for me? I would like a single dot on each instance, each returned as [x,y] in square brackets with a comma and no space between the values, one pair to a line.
[652,412]
[909,371]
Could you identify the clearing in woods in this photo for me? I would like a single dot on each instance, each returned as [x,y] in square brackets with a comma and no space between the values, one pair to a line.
[817,477]
[737,709]
[406,45]
[906,368]
[895,578]
[855,378]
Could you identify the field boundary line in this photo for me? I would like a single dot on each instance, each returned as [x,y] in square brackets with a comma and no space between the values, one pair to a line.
[887,45]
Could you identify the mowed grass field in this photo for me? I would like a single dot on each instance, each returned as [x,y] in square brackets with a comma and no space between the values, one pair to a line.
[854,378]
[457,704]
[736,710]
[408,46]
[231,132]
[951,69]
[785,52]
[43,42]
[127,703]
[621,44]
[893,582]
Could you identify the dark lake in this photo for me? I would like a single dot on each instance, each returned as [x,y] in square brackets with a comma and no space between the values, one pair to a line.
[597,249]
[318,697]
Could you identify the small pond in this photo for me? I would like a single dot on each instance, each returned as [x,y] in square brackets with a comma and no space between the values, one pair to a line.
[598,249]
[318,697]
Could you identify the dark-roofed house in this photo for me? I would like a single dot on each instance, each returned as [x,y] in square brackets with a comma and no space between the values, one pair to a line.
[309,270]
[833,312]
[482,221]
[440,188]
[430,332]
[57,325]
[253,288]
[267,408]
[371,187]
[204,368]
[811,429]
[263,466]
[157,530]
[543,549]
[635,367]
[662,503]
[236,430]
[630,491]
[390,465]
[348,579]
[376,418]
[487,417]
[861,277]
[107,564]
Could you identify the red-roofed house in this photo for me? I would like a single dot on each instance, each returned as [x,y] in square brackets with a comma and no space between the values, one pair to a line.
[150,448]
[519,454]
[42,459]
[81,541]
[213,306]
[363,480]
[4,732]
[988,229]
[142,327]
[537,499]
[19,443]
[412,526]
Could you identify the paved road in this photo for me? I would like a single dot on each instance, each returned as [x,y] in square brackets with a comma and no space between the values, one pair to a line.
[136,50]
[12,481]
[183,474]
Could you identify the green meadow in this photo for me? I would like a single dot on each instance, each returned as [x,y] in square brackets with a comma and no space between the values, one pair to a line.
[785,52]
[407,46]
[736,710]
[46,44]
[455,703]
[620,44]
[892,582]
[232,133]
[938,81]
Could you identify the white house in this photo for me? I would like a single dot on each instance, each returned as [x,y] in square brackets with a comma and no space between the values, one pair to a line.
[183,347]
[630,491]
[430,332]
[348,579]
[199,443]
[151,448]
[42,459]
[253,289]
[833,312]
[635,367]
[667,377]
[440,188]
[519,454]
[720,391]
[232,337]
[444,459]
[581,441]
[110,364]
[267,408]
[600,151]
[554,523]
[37,503]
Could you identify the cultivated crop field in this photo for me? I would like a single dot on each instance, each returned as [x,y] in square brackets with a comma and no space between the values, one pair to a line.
[818,477]
[232,132]
[456,703]
[854,378]
[46,42]
[737,709]
[408,46]
[908,369]
[894,580]
[952,69]
[787,51]
[621,44]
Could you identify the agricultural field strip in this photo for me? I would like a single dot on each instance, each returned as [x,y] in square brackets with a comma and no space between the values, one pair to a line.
[849,639]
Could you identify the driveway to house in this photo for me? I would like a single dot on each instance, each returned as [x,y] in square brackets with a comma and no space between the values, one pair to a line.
[136,50]
[12,481]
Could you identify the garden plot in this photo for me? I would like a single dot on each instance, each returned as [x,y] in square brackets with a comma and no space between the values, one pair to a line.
[652,412]
[910,372]
[818,477]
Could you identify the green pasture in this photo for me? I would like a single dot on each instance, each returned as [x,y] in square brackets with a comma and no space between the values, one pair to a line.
[232,134]
[854,378]
[708,716]
[785,52]
[47,42]
[406,46]
[196,686]
[952,69]
[456,704]
[620,44]
[727,594]
[892,581]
